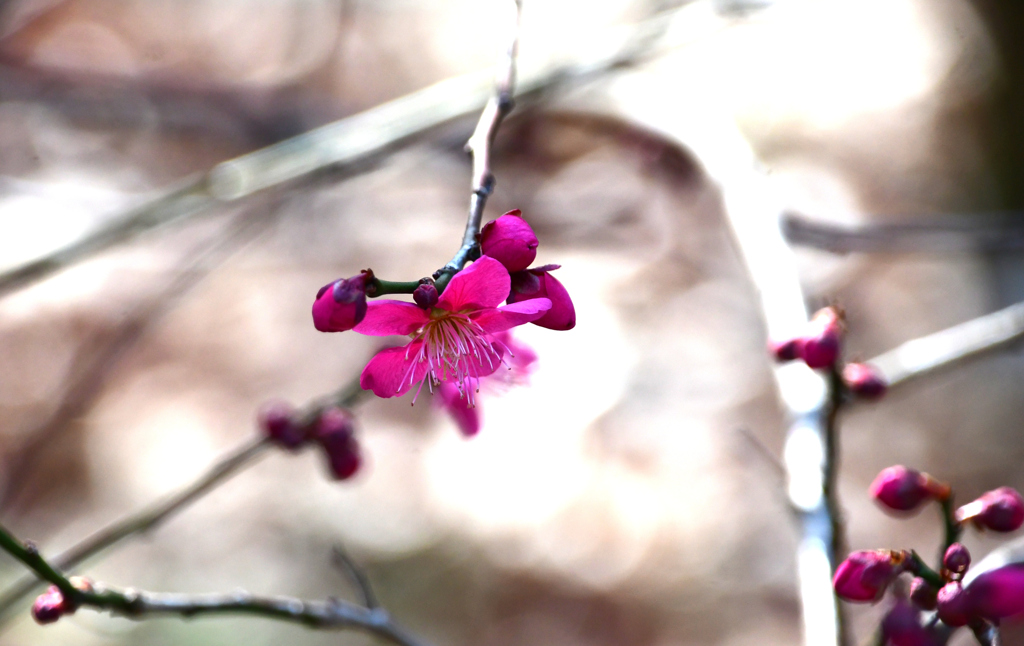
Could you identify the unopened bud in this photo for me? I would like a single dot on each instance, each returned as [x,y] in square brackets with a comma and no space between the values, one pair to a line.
[902,626]
[821,345]
[276,419]
[510,241]
[50,606]
[902,489]
[335,432]
[1001,510]
[957,559]
[865,575]
[784,351]
[425,296]
[998,593]
[953,605]
[864,381]
[341,305]
[923,594]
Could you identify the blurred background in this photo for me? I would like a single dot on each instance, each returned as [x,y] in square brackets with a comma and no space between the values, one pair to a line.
[616,500]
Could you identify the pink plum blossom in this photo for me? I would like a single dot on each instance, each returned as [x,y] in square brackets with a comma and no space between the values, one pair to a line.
[1001,510]
[902,489]
[865,575]
[466,416]
[451,342]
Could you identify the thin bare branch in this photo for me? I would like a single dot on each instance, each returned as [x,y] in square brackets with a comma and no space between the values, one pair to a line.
[479,148]
[931,237]
[342,143]
[951,346]
[355,575]
[145,520]
[136,604]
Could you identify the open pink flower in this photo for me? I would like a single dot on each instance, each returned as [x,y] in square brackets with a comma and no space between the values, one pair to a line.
[451,342]
[511,241]
[465,414]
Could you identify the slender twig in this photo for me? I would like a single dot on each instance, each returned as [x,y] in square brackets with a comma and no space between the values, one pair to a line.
[948,347]
[830,487]
[931,237]
[479,148]
[343,143]
[356,576]
[952,528]
[145,520]
[136,604]
[987,634]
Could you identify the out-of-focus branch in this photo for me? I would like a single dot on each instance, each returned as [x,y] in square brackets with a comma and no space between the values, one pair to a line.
[135,604]
[951,346]
[931,237]
[344,142]
[155,514]
[355,576]
[479,148]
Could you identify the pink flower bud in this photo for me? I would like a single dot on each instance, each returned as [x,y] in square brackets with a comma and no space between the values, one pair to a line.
[510,241]
[821,345]
[276,419]
[1001,510]
[998,593]
[539,283]
[957,559]
[341,305]
[902,626]
[50,606]
[903,489]
[953,604]
[425,296]
[784,351]
[335,432]
[922,594]
[864,381]
[865,575]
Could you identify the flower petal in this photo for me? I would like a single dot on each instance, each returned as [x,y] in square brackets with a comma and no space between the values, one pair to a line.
[562,315]
[387,317]
[499,319]
[510,241]
[457,406]
[483,284]
[393,371]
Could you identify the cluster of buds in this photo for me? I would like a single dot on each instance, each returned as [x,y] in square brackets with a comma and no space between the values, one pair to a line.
[820,347]
[52,604]
[957,599]
[332,429]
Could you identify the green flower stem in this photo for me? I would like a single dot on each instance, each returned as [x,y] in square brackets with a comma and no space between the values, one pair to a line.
[378,287]
[952,527]
[919,568]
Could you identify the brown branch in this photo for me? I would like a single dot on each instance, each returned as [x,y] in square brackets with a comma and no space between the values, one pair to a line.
[479,148]
[930,237]
[951,346]
[135,604]
[155,514]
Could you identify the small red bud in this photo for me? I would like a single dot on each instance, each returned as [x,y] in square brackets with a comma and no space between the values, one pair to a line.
[901,489]
[335,432]
[341,305]
[864,381]
[902,626]
[953,604]
[957,559]
[50,606]
[922,594]
[865,575]
[276,419]
[821,345]
[1001,510]
[784,351]
[425,296]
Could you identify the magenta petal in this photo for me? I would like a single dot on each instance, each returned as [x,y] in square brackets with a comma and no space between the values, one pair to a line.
[483,284]
[510,241]
[509,316]
[384,318]
[457,406]
[562,315]
[393,371]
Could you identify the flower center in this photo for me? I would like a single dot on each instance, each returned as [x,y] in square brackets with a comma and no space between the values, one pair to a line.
[456,350]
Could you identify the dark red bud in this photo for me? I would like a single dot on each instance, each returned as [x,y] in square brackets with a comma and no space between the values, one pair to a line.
[50,606]
[864,381]
[1001,510]
[784,351]
[335,432]
[901,489]
[821,345]
[923,594]
[425,296]
[276,419]
[953,604]
[957,559]
[345,307]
